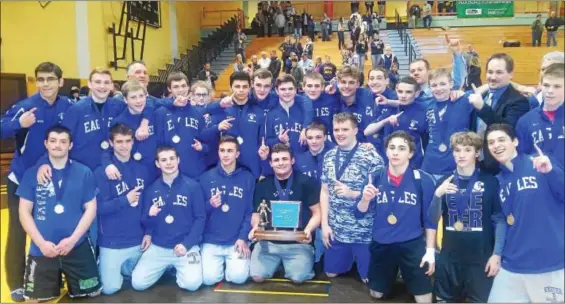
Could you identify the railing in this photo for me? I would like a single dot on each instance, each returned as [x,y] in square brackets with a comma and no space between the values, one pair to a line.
[210,47]
[405,38]
[217,18]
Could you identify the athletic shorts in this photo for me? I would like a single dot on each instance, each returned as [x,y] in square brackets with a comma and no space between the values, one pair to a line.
[339,258]
[461,282]
[386,259]
[42,274]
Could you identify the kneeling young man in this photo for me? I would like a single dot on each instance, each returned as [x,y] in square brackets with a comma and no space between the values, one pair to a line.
[469,204]
[56,216]
[286,185]
[121,237]
[228,190]
[402,198]
[531,195]
[174,214]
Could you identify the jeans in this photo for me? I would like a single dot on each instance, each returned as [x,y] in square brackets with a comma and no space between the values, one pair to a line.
[156,260]
[362,63]
[340,40]
[427,21]
[297,260]
[214,257]
[298,32]
[375,60]
[116,263]
[15,258]
[551,36]
[536,38]
[325,36]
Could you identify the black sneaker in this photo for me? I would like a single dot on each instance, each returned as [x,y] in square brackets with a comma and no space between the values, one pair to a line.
[18,295]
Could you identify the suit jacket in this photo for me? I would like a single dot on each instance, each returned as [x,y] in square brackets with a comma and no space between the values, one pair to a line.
[509,108]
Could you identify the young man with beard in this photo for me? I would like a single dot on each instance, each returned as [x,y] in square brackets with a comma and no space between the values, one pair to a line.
[285,184]
[174,215]
[544,126]
[243,121]
[27,121]
[121,237]
[228,193]
[444,118]
[469,205]
[402,196]
[409,116]
[503,104]
[531,194]
[285,122]
[344,170]
[310,163]
[57,217]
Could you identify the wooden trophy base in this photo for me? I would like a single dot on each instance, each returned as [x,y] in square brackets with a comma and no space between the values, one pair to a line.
[280,235]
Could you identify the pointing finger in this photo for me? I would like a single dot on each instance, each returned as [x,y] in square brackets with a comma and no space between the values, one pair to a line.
[370,179]
[475,88]
[230,119]
[263,141]
[398,115]
[449,178]
[32,110]
[540,152]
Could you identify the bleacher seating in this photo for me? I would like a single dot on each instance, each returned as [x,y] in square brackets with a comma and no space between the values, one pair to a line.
[487,41]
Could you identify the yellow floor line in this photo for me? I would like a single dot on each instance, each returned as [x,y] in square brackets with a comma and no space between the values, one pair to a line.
[309,281]
[273,292]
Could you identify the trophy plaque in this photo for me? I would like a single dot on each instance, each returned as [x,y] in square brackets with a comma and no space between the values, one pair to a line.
[284,221]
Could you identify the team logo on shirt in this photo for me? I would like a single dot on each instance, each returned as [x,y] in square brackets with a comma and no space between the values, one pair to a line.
[251,117]
[554,291]
[413,125]
[479,187]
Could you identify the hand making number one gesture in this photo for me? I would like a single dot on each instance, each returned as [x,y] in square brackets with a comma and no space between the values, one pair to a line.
[542,164]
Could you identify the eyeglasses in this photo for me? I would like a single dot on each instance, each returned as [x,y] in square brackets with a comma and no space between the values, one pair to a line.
[201,95]
[48,79]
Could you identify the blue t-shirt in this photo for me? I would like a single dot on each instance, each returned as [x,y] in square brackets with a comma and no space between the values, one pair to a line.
[56,222]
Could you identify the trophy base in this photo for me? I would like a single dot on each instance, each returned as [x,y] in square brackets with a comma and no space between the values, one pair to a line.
[288,236]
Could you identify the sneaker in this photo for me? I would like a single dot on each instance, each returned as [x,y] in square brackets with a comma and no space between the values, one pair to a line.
[18,295]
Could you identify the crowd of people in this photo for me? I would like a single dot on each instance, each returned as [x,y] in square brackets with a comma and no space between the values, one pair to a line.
[111,190]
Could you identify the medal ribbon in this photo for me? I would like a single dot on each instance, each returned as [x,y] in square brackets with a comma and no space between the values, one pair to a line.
[462,201]
[284,194]
[388,187]
[443,124]
[340,170]
[60,186]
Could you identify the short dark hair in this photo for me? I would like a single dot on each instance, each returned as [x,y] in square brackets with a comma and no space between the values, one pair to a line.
[316,125]
[165,148]
[49,67]
[279,148]
[507,59]
[403,135]
[229,139]
[425,61]
[59,129]
[410,80]
[120,129]
[240,76]
[177,76]
[346,116]
[378,69]
[506,128]
[286,78]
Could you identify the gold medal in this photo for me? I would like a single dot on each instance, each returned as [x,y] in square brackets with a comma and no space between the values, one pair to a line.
[104,145]
[176,139]
[458,226]
[442,148]
[510,219]
[226,208]
[391,219]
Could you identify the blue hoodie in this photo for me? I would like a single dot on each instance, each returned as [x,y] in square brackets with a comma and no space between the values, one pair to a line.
[119,224]
[279,120]
[226,227]
[413,121]
[456,118]
[29,142]
[311,165]
[90,127]
[411,209]
[183,203]
[363,108]
[249,120]
[325,107]
[187,124]
[536,128]
[535,243]
[377,139]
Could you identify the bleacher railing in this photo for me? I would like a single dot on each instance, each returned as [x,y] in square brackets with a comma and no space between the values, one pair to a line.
[210,47]
[405,38]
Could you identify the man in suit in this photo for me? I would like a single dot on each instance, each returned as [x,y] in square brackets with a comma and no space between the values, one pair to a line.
[502,103]
[208,75]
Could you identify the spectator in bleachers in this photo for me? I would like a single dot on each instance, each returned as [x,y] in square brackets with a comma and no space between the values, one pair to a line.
[324,24]
[308,50]
[341,33]
[296,46]
[297,24]
[552,25]
[388,58]
[304,18]
[83,92]
[265,61]
[275,65]
[312,28]
[74,97]
[473,74]
[317,64]
[296,71]
[375,24]
[238,65]
[254,64]
[393,76]
[239,39]
[328,69]
[306,64]
[471,52]
[208,76]
[361,49]
[427,12]
[116,92]
[377,49]
[537,31]
[280,22]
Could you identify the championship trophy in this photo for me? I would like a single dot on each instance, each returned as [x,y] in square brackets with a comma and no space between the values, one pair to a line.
[284,221]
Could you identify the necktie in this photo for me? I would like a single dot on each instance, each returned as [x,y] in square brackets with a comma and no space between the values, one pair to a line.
[482,126]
